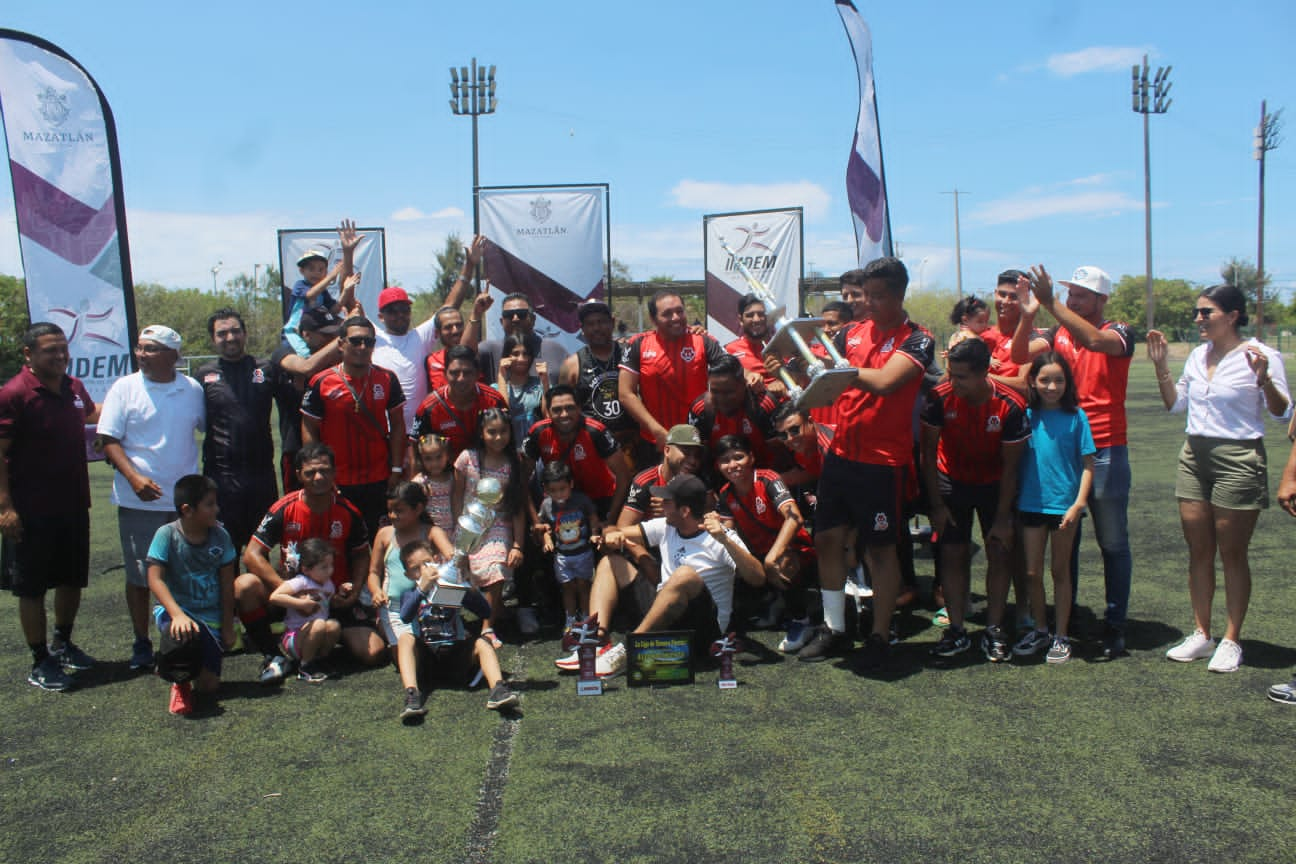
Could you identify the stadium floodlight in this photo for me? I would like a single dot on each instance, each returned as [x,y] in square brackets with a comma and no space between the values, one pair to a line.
[473,92]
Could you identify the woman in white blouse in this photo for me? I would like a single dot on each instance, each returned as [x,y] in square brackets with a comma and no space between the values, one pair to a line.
[1228,384]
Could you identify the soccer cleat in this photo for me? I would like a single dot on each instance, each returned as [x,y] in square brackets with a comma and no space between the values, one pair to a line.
[72,658]
[1032,642]
[1283,694]
[141,655]
[274,670]
[1059,651]
[952,643]
[994,644]
[311,674]
[501,697]
[413,705]
[182,699]
[49,675]
[1227,657]
[1195,647]
[874,656]
[798,634]
[610,662]
[823,644]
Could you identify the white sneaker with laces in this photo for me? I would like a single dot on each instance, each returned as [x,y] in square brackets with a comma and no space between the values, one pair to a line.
[611,662]
[799,633]
[1195,647]
[1227,657]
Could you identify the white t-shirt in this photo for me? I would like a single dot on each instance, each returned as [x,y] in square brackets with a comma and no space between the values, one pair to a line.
[703,553]
[155,423]
[404,356]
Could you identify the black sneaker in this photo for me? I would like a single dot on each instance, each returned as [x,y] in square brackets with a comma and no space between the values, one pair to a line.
[311,673]
[825,643]
[72,658]
[49,675]
[1113,642]
[994,642]
[413,705]
[952,643]
[501,697]
[874,656]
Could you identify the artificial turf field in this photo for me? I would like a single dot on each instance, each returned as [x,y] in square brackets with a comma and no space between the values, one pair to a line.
[1135,760]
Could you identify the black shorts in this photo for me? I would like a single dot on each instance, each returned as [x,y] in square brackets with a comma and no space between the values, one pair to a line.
[54,553]
[355,616]
[1051,521]
[964,501]
[863,496]
[244,498]
[454,665]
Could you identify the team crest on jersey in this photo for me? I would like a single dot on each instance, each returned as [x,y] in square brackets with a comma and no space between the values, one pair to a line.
[853,342]
[951,415]
[578,452]
[687,353]
[211,377]
[335,530]
[992,424]
[760,507]
[258,375]
[888,346]
[77,403]
[679,556]
[215,552]
[880,522]
[379,393]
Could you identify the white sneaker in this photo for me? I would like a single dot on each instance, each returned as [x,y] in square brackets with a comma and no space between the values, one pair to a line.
[1227,657]
[527,620]
[1195,647]
[799,632]
[611,662]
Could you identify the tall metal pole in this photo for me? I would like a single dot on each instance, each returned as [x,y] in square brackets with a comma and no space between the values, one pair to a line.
[472,92]
[958,242]
[1260,280]
[1159,104]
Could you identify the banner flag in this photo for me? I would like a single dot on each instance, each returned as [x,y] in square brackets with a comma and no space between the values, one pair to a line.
[865,178]
[370,261]
[769,243]
[549,243]
[66,173]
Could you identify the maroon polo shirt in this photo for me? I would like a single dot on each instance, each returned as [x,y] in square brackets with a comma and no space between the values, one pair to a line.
[46,435]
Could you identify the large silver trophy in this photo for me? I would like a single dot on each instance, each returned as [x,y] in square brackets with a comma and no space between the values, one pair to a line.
[476,519]
[792,337]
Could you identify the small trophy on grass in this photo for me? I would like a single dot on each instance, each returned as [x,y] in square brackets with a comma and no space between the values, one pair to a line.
[585,639]
[725,647]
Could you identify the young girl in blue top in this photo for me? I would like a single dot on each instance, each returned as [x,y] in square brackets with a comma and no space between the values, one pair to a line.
[1056,476]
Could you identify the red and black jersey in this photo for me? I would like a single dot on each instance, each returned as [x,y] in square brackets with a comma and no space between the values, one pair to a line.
[289,521]
[972,436]
[672,372]
[812,462]
[585,454]
[1001,350]
[755,422]
[434,370]
[358,431]
[750,354]
[1101,381]
[438,416]
[756,515]
[640,498]
[824,414]
[879,430]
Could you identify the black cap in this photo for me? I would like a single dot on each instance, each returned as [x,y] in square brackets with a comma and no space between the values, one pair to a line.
[593,307]
[685,489]
[320,319]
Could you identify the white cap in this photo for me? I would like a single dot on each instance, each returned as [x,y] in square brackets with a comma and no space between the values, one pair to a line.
[1091,278]
[163,335]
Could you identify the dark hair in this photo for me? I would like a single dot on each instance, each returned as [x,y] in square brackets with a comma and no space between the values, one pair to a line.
[787,409]
[966,307]
[511,342]
[560,390]
[1229,298]
[409,493]
[513,493]
[312,451]
[1070,398]
[972,351]
[556,472]
[658,296]
[697,504]
[461,352]
[1009,276]
[852,277]
[727,366]
[191,489]
[436,316]
[841,308]
[220,315]
[727,443]
[748,300]
[39,329]
[313,551]
[517,296]
[891,271]
[407,551]
[356,321]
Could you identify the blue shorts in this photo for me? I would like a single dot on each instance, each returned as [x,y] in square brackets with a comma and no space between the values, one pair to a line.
[569,568]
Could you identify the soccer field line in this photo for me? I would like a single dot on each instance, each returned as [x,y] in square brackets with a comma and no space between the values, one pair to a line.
[490,798]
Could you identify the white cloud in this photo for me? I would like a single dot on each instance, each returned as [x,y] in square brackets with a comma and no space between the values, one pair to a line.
[413,214]
[701,195]
[1093,59]
[1040,202]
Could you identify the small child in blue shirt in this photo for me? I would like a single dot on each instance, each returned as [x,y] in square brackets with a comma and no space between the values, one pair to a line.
[572,530]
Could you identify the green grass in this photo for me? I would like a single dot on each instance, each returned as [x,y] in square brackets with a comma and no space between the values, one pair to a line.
[1137,760]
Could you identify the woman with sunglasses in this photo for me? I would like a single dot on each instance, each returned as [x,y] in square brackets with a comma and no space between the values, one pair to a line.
[1228,384]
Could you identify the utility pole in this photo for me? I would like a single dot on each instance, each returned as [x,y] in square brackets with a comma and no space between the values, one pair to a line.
[958,243]
[1267,137]
[1159,104]
[472,93]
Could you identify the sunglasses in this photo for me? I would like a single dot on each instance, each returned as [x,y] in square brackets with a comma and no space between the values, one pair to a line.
[1203,313]
[362,341]
[516,313]
[791,432]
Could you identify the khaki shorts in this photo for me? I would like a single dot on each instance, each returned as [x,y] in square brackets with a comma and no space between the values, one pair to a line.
[1227,473]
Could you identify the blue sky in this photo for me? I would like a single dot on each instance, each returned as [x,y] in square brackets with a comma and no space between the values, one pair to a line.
[240,118]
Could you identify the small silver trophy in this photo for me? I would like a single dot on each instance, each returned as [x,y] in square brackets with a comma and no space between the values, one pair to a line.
[792,337]
[478,514]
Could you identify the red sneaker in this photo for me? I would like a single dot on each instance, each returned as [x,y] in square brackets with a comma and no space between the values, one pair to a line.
[182,699]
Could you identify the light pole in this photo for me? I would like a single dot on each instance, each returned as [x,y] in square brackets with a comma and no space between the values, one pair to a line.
[214,270]
[921,266]
[1267,137]
[958,241]
[1159,104]
[472,92]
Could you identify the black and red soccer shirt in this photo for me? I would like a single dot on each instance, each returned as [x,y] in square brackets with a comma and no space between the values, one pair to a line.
[438,415]
[586,454]
[970,450]
[352,413]
[756,515]
[755,422]
[639,500]
[1100,380]
[289,521]
[672,372]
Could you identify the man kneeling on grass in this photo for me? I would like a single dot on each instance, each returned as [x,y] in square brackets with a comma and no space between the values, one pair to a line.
[191,573]
[699,561]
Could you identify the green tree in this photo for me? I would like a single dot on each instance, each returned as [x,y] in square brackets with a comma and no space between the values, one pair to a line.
[13,323]
[1174,299]
[449,261]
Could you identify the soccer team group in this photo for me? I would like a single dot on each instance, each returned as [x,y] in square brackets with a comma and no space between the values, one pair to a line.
[648,482]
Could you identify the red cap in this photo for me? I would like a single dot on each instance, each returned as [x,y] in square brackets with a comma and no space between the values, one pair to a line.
[388,296]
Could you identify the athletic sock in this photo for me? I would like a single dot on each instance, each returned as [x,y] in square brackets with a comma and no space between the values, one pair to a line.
[834,608]
[39,651]
[62,634]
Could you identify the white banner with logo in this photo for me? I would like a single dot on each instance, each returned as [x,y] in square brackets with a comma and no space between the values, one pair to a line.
[865,179]
[768,243]
[551,244]
[67,197]
[370,261]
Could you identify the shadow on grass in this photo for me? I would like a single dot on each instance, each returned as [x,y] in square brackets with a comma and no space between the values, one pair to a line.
[1266,655]
[107,672]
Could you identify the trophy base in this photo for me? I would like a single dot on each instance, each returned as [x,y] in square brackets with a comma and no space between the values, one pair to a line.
[448,595]
[826,387]
[590,688]
[781,342]
[727,684]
